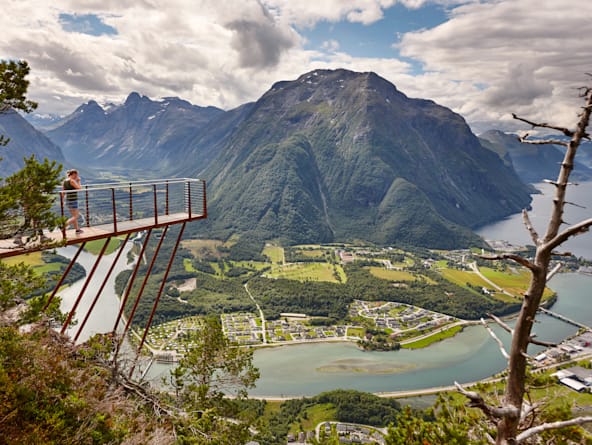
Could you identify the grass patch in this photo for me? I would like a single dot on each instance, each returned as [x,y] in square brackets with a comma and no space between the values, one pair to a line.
[252,265]
[424,342]
[274,253]
[391,275]
[188,265]
[34,260]
[514,281]
[308,272]
[94,247]
[201,249]
[356,332]
[30,259]
[462,277]
[312,416]
[317,253]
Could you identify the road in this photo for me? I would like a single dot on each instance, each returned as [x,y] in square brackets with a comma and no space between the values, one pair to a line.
[263,325]
[475,269]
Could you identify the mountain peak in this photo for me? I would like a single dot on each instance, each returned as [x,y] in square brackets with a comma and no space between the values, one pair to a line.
[134,98]
[90,106]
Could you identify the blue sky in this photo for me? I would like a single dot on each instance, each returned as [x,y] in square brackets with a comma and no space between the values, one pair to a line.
[89,24]
[378,39]
[483,59]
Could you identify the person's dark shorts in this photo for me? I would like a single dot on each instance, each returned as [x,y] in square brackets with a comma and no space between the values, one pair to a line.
[72,204]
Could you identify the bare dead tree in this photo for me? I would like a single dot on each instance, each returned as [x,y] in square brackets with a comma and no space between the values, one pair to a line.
[510,416]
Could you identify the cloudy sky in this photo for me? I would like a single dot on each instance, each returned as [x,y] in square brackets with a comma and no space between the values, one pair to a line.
[484,59]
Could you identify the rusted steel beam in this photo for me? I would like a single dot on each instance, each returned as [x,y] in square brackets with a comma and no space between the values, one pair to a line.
[141,291]
[162,284]
[66,272]
[131,280]
[94,302]
[88,279]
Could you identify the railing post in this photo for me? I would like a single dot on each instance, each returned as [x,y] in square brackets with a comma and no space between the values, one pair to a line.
[87,215]
[155,205]
[131,206]
[62,211]
[114,210]
[205,207]
[189,198]
[166,203]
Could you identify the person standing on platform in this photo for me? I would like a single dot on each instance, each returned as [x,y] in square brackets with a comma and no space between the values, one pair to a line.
[70,184]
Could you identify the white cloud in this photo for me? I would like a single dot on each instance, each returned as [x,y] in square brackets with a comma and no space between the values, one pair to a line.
[489,59]
[309,12]
[529,55]
[330,45]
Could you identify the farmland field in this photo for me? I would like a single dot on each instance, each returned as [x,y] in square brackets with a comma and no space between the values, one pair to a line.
[393,275]
[308,272]
[274,253]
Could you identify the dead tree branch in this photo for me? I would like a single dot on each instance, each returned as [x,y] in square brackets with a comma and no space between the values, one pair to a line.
[501,323]
[552,272]
[546,344]
[476,401]
[533,233]
[576,229]
[550,426]
[508,415]
[496,338]
[524,140]
[510,256]
[566,131]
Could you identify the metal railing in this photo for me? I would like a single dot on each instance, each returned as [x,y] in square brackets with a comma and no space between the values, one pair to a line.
[117,206]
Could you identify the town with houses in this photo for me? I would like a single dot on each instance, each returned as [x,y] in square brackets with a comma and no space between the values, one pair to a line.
[168,342]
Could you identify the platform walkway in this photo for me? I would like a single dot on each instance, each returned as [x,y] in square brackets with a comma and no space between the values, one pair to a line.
[113,209]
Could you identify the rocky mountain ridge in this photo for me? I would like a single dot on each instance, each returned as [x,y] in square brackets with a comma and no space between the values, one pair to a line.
[334,155]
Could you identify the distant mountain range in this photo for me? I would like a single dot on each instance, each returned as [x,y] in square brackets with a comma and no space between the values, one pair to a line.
[532,162]
[334,155]
[139,133]
[25,141]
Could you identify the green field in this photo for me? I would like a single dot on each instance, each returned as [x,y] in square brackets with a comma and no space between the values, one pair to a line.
[424,342]
[315,414]
[274,253]
[202,248]
[254,265]
[308,272]
[392,275]
[317,253]
[30,259]
[462,277]
[95,246]
[514,282]
[356,332]
[34,260]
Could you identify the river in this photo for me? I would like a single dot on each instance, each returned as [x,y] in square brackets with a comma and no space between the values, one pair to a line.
[106,309]
[309,369]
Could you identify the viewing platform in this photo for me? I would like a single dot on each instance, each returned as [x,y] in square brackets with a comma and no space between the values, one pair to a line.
[118,208]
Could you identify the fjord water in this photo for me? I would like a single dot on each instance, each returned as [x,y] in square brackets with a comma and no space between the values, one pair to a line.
[309,369]
[470,356]
[512,229]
